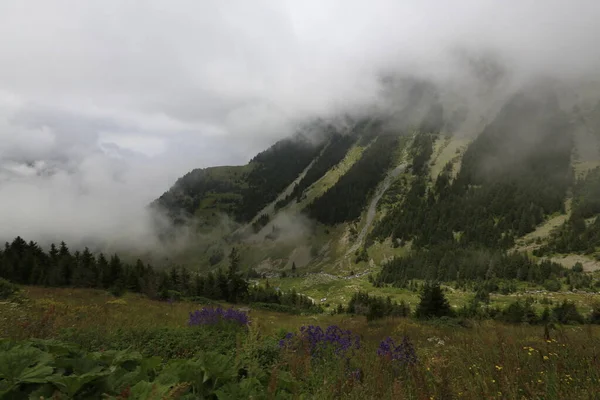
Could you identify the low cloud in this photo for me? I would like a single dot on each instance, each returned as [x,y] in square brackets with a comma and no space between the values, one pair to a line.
[103,104]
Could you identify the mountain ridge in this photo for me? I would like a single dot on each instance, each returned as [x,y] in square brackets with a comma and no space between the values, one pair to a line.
[524,142]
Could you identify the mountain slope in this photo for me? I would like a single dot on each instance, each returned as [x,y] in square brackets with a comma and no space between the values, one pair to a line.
[315,202]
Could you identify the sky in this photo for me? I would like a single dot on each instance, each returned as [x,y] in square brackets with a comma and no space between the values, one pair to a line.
[103,104]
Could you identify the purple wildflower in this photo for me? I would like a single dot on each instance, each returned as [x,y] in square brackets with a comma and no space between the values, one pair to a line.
[335,339]
[402,354]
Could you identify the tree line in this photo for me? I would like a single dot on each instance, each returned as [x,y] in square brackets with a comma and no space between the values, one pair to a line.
[433,303]
[27,263]
[451,262]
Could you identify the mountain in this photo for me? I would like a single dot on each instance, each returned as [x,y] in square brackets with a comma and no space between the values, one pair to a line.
[428,187]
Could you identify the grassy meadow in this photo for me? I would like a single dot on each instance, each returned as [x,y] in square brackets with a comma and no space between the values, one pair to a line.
[479,360]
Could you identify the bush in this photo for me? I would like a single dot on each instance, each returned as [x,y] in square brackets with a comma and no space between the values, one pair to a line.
[595,314]
[578,267]
[7,289]
[519,312]
[375,307]
[117,290]
[552,285]
[566,313]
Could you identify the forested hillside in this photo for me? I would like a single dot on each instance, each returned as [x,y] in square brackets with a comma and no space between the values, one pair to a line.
[215,189]
[513,175]
[275,169]
[450,213]
[347,198]
[336,149]
[240,191]
[581,233]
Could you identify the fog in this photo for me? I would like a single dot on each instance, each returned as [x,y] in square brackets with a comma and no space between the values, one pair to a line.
[103,104]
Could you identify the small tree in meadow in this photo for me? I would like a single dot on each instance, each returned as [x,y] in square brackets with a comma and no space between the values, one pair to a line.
[433,303]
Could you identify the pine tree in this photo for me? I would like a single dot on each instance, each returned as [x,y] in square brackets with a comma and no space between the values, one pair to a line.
[237,286]
[433,302]
[115,277]
[103,280]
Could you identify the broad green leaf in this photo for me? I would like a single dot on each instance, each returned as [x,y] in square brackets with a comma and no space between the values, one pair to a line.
[122,378]
[36,374]
[149,391]
[23,363]
[79,366]
[55,347]
[151,363]
[70,385]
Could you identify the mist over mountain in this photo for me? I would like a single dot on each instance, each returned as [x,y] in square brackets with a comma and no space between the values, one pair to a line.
[103,105]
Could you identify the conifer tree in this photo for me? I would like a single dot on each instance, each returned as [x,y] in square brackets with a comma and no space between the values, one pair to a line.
[433,303]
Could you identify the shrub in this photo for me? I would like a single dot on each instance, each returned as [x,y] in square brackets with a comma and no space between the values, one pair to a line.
[519,311]
[552,285]
[566,313]
[594,317]
[7,289]
[375,307]
[578,267]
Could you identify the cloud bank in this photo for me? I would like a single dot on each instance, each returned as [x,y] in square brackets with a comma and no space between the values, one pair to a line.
[103,104]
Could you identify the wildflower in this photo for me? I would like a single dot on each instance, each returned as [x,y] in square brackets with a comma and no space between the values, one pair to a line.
[498,367]
[333,338]
[404,353]
[546,358]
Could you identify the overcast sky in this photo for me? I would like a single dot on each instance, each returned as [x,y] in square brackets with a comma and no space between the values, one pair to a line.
[103,104]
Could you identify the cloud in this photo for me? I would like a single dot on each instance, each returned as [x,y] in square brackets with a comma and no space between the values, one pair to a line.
[103,104]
